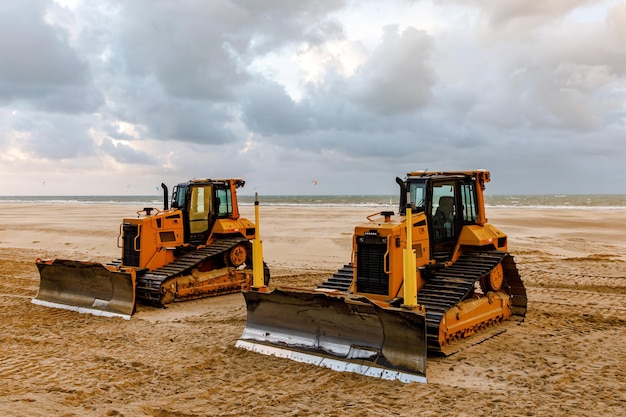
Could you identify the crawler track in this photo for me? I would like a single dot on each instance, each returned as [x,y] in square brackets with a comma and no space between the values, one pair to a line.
[447,287]
[149,284]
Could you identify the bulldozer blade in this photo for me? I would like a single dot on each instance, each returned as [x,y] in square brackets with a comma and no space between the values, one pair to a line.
[341,332]
[86,287]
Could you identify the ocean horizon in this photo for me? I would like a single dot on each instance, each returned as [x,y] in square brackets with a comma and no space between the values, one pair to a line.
[553,201]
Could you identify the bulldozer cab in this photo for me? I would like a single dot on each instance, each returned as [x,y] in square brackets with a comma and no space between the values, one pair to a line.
[449,202]
[202,202]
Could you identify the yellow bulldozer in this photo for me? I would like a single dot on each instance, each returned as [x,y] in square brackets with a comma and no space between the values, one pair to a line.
[427,281]
[200,247]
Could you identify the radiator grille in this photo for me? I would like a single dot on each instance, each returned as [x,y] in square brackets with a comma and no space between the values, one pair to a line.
[371,276]
[130,256]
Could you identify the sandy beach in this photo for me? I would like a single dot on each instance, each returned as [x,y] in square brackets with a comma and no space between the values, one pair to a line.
[568,358]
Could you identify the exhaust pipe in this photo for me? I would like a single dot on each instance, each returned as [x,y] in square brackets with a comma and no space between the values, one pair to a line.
[165,203]
[403,196]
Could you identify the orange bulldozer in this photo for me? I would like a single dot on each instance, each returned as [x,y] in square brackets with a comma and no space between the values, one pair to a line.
[428,280]
[200,247]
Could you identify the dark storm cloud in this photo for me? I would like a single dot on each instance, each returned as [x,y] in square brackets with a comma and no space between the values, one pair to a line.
[268,110]
[142,102]
[189,60]
[54,136]
[396,80]
[206,57]
[185,81]
[38,66]
[397,77]
[187,121]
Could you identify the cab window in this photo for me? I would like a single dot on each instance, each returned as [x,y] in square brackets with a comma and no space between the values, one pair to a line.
[199,208]
[443,210]
[417,194]
[224,201]
[468,199]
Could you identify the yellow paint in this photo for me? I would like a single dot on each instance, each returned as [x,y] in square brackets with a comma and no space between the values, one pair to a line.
[410,284]
[257,249]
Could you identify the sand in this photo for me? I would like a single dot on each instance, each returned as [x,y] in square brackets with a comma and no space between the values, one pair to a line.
[567,359]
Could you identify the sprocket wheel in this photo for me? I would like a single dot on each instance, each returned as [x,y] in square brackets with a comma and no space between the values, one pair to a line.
[237,256]
[493,281]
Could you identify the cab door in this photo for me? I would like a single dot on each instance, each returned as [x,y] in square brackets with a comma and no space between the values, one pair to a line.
[200,213]
[444,214]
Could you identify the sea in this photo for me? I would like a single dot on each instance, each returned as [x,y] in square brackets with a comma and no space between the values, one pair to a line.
[541,201]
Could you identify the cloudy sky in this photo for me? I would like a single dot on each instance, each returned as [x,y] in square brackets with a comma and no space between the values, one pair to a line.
[114,97]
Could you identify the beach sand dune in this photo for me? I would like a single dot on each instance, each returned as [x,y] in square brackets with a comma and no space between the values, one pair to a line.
[567,358]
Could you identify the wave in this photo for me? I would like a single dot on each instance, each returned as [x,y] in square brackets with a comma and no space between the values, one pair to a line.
[557,201]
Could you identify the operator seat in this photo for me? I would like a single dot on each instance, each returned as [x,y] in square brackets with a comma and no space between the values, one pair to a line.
[444,216]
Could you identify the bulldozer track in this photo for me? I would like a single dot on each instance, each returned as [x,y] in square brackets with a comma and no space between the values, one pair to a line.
[445,288]
[149,283]
[448,286]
